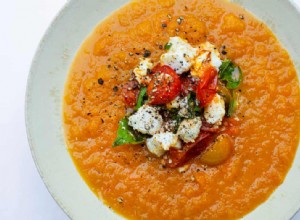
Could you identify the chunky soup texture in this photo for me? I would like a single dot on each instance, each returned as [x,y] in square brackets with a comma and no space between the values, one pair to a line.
[132,181]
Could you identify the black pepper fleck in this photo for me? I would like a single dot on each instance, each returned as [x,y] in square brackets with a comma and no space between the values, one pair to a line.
[100,81]
[116,89]
[147,53]
[164,25]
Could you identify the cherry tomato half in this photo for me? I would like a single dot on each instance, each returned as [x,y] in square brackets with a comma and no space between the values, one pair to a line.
[130,93]
[207,87]
[165,85]
[156,68]
[209,78]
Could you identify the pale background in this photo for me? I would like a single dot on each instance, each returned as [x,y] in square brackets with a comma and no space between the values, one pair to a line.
[22,193]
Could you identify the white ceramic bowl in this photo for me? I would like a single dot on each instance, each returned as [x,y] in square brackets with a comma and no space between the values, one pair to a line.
[44,105]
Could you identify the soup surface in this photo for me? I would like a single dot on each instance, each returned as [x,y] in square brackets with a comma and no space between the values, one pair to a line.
[132,181]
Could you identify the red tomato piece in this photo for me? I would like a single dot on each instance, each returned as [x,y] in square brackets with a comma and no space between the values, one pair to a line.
[130,93]
[205,96]
[231,126]
[209,78]
[164,86]
[188,84]
[177,158]
[156,68]
[207,87]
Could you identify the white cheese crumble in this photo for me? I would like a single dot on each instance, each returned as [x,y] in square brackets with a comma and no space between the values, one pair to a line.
[189,129]
[207,46]
[154,148]
[183,169]
[162,142]
[215,111]
[208,55]
[180,56]
[182,104]
[141,71]
[169,125]
[146,120]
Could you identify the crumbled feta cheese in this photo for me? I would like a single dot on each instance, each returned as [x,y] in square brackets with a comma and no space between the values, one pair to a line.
[184,112]
[181,103]
[169,126]
[162,142]
[175,103]
[142,70]
[208,55]
[215,111]
[215,60]
[189,129]
[146,120]
[209,47]
[183,169]
[154,148]
[180,56]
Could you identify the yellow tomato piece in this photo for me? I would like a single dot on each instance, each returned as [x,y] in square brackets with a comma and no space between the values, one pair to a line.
[218,152]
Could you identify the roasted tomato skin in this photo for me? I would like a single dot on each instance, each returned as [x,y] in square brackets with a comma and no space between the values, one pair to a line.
[164,86]
[205,96]
[130,92]
[156,68]
[188,84]
[207,86]
[177,158]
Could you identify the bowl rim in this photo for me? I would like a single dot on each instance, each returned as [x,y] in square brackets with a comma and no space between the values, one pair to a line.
[37,53]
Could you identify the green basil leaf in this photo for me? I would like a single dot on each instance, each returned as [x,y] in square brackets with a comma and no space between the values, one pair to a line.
[141,97]
[178,120]
[197,109]
[232,104]
[231,108]
[235,79]
[191,104]
[225,93]
[230,74]
[193,108]
[126,135]
[168,46]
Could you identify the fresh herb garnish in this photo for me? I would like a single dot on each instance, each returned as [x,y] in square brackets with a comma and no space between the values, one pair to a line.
[141,98]
[168,46]
[230,74]
[126,135]
[232,105]
[193,108]
[178,120]
[197,109]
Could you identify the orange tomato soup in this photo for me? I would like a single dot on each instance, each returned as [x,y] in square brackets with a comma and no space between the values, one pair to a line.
[132,181]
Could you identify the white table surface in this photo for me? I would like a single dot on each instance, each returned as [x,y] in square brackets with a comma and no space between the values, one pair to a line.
[22,192]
